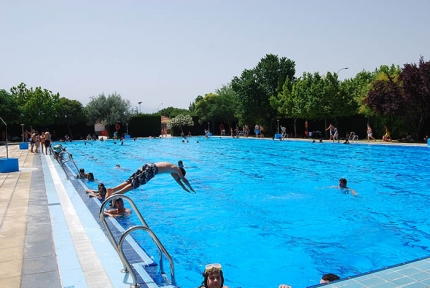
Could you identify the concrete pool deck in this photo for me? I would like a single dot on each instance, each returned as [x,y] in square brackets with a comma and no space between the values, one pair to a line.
[49,239]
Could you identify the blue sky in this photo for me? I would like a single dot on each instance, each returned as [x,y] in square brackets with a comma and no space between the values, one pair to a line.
[172,51]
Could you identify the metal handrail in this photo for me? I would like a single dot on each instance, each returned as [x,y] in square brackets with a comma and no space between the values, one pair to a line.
[7,148]
[352,137]
[145,227]
[61,160]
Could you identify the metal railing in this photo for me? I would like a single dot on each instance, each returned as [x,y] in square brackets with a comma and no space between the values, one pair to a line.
[352,137]
[119,246]
[63,157]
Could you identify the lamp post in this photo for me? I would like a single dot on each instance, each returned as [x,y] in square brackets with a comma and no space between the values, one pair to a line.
[345,68]
[22,128]
[278,128]
[208,127]
[140,107]
[127,127]
[158,108]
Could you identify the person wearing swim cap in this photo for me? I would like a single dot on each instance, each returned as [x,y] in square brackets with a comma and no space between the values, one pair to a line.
[147,172]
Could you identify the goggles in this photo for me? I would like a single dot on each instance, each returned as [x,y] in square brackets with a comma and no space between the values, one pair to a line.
[215,266]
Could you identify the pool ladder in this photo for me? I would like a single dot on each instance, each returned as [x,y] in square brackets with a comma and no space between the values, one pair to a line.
[352,137]
[63,160]
[119,246]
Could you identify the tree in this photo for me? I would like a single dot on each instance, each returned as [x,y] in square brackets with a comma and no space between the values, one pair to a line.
[207,108]
[192,106]
[171,112]
[255,87]
[181,121]
[291,101]
[415,81]
[69,112]
[226,104]
[359,87]
[108,110]
[38,105]
[10,111]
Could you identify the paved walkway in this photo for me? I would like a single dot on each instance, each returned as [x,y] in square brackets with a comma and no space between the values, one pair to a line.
[43,241]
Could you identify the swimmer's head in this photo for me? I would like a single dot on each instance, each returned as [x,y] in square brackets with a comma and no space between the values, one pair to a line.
[213,271]
[328,278]
[82,170]
[90,176]
[342,182]
[181,167]
[117,165]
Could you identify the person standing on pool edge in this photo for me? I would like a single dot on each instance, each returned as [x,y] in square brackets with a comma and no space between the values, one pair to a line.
[147,172]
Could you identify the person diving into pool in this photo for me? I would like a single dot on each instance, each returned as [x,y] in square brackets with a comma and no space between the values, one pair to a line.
[147,172]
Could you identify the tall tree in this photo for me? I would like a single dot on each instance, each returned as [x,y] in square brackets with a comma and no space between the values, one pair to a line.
[108,110]
[9,108]
[255,87]
[226,104]
[38,105]
[415,81]
[69,112]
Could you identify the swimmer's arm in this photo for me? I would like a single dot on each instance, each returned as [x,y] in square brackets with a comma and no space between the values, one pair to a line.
[110,213]
[188,184]
[181,184]
[92,194]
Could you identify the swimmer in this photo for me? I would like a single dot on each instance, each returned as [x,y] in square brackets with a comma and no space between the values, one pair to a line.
[100,193]
[344,188]
[213,277]
[82,174]
[119,211]
[147,172]
[90,176]
[327,278]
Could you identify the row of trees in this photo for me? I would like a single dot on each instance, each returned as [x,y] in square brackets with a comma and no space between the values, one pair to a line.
[394,96]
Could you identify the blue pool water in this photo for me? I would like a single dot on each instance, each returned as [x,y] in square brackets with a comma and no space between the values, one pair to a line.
[265,210]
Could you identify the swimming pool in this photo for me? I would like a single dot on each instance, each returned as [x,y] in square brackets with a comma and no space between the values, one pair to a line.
[264,209]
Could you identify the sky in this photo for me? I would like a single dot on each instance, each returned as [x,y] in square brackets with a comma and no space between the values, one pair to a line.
[166,53]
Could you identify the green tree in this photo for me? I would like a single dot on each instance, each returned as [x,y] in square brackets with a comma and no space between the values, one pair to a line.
[10,111]
[226,104]
[69,112]
[255,87]
[192,106]
[206,109]
[108,110]
[38,105]
[181,121]
[171,112]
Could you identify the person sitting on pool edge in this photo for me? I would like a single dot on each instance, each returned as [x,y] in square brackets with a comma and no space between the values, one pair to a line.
[147,172]
[213,277]
[119,211]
